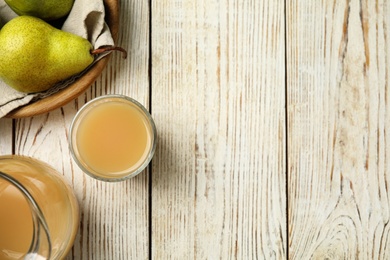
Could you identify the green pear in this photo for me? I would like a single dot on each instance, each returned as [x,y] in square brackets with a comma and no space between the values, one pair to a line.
[35,55]
[45,9]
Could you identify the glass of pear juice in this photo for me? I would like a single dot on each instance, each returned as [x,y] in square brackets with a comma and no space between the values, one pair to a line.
[113,138]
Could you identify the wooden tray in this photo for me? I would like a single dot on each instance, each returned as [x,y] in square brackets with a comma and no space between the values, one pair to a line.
[71,92]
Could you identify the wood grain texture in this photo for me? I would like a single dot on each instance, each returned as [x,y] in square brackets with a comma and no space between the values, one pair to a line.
[218,100]
[338,119]
[6,136]
[114,216]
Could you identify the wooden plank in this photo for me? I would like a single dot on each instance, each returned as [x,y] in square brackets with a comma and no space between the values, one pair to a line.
[114,216]
[5,136]
[218,99]
[338,114]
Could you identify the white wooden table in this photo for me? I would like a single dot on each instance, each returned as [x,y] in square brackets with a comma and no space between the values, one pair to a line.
[273,122]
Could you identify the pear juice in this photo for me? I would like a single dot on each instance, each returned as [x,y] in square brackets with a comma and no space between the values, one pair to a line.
[113,138]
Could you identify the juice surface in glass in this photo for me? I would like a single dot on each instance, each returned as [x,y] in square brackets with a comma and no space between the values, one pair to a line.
[112,137]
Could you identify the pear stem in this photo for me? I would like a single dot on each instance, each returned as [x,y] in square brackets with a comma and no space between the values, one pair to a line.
[109,48]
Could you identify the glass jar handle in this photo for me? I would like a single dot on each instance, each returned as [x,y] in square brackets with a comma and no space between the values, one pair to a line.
[40,229]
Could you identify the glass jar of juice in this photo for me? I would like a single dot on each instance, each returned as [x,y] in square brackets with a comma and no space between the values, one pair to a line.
[39,213]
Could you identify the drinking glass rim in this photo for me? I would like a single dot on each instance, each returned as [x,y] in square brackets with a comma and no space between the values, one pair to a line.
[129,174]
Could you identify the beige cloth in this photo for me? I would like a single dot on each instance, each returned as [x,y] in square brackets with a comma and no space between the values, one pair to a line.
[86,19]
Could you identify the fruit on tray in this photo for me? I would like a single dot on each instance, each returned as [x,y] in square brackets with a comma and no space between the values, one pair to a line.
[45,9]
[35,55]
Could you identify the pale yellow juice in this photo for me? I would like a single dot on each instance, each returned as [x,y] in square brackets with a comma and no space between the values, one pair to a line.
[53,196]
[113,138]
[16,226]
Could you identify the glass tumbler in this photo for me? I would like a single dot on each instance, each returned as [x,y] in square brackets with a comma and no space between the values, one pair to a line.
[39,213]
[113,138]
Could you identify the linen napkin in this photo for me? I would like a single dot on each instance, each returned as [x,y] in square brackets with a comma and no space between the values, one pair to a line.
[86,19]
